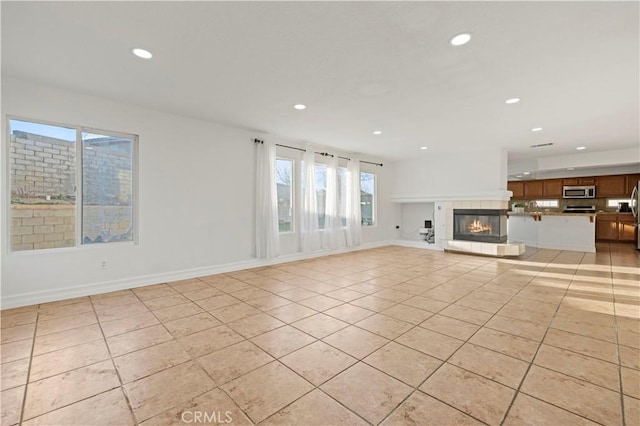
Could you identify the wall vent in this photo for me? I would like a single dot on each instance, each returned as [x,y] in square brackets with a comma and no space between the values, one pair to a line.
[541,145]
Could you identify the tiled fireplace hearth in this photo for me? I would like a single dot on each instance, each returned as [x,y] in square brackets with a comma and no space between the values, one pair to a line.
[479,227]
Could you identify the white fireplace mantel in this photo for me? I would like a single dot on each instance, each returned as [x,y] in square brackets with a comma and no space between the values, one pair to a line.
[500,195]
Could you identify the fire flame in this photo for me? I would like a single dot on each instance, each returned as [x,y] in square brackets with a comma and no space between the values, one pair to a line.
[477,227]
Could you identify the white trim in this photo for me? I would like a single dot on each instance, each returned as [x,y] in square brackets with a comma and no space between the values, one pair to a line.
[31,298]
[500,195]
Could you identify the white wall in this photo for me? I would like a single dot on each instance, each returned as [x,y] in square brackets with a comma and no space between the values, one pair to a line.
[439,176]
[596,171]
[585,164]
[196,198]
[413,216]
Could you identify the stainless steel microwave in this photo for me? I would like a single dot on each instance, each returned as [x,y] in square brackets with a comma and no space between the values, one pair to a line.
[579,191]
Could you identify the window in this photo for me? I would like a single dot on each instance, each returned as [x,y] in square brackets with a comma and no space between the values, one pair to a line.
[341,179]
[548,203]
[614,202]
[284,183]
[107,188]
[367,198]
[321,192]
[45,197]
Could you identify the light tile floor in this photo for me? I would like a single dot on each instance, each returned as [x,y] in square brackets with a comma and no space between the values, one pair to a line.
[392,336]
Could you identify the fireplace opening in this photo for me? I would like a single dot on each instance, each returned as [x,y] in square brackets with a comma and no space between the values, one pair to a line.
[480,225]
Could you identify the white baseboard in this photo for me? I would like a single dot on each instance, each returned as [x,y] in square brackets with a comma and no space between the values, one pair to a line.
[417,244]
[32,298]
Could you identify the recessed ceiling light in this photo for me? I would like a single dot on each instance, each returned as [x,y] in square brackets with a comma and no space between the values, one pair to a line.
[423,148]
[526,173]
[300,106]
[461,39]
[377,132]
[580,148]
[518,175]
[571,168]
[512,101]
[536,129]
[142,53]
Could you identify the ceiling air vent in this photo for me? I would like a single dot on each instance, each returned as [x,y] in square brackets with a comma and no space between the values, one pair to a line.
[541,145]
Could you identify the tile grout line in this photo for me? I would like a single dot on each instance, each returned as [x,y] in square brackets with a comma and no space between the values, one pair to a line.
[518,391]
[526,373]
[173,339]
[467,341]
[417,388]
[617,330]
[286,366]
[388,287]
[346,368]
[26,385]
[113,362]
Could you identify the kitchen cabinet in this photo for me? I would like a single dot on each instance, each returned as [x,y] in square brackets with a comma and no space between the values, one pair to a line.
[552,188]
[579,181]
[626,228]
[611,186]
[615,227]
[615,186]
[632,180]
[517,187]
[607,227]
[533,189]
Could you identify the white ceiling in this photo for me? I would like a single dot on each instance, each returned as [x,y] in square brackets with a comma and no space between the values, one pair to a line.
[358,66]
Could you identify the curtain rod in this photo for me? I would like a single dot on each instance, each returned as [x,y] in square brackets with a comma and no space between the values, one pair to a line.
[324,154]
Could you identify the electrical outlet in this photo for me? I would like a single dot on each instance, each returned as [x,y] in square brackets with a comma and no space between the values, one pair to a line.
[104,264]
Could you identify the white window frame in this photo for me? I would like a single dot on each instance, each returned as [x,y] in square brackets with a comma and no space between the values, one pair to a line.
[79,190]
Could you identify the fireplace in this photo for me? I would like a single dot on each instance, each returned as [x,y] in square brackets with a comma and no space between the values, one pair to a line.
[480,225]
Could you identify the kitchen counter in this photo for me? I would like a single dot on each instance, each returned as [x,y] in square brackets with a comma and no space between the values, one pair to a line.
[549,214]
[553,230]
[544,213]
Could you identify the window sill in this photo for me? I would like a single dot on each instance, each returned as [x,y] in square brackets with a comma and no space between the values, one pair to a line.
[71,249]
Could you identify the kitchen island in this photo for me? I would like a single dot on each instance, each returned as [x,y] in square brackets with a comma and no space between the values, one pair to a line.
[553,230]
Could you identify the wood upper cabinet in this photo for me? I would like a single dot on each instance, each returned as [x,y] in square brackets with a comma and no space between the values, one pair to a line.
[517,187]
[618,186]
[612,186]
[607,227]
[570,181]
[626,228]
[533,189]
[579,181]
[589,180]
[632,180]
[552,188]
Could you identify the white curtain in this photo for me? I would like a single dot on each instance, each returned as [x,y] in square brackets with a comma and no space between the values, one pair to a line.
[309,228]
[267,232]
[332,224]
[354,217]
